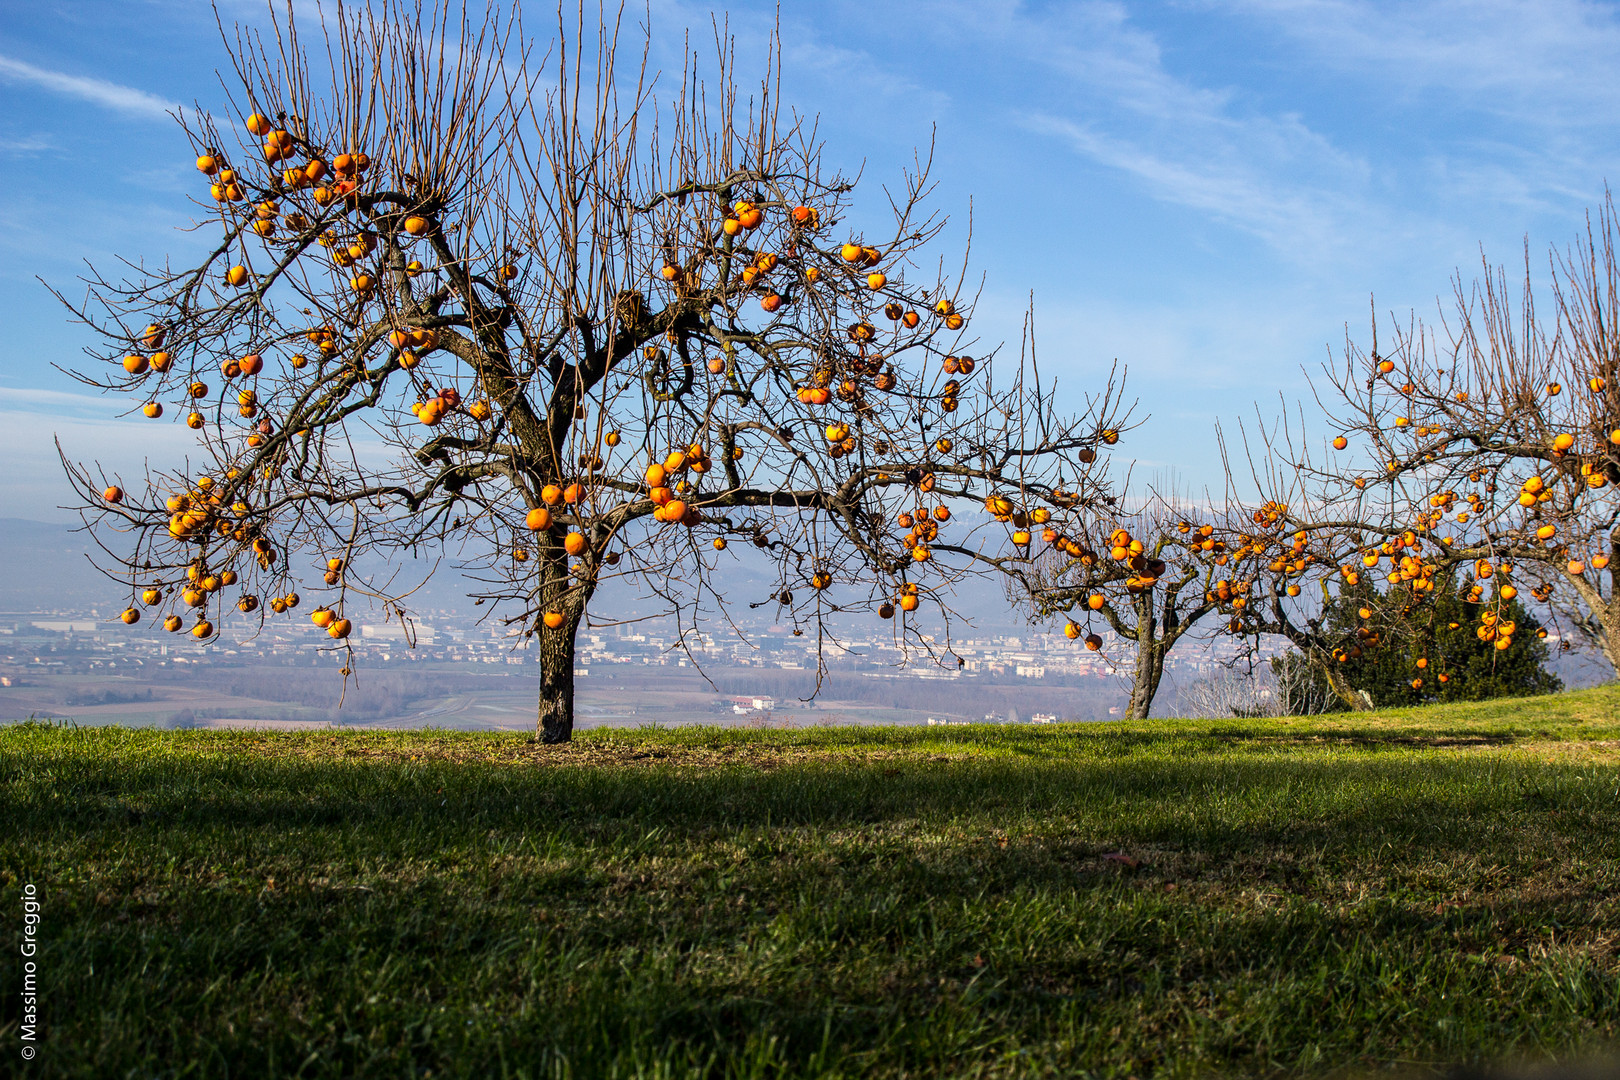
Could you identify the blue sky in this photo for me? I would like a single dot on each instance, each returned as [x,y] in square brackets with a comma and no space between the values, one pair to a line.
[1207,190]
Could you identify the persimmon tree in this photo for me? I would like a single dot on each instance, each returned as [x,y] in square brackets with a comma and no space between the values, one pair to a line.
[1319,543]
[461,295]
[1484,446]
[1154,578]
[1493,437]
[1235,570]
[1302,559]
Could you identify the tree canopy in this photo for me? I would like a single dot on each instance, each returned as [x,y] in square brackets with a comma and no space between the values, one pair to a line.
[473,296]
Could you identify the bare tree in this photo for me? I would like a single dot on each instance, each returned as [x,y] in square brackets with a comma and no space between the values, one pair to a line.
[1284,688]
[1489,441]
[1153,580]
[463,294]
[1487,444]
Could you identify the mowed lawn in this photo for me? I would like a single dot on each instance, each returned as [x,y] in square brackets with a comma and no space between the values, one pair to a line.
[1418,889]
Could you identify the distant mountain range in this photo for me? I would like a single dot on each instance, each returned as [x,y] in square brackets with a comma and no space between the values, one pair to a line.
[48,567]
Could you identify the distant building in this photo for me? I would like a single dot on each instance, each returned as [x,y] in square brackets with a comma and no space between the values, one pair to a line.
[390,632]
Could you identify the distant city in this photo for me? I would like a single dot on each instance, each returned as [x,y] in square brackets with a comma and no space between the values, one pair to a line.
[64,654]
[92,643]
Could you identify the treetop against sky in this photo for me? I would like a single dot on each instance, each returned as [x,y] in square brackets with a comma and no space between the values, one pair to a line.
[1207,193]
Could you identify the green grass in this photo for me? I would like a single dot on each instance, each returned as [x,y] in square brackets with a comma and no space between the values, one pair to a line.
[1418,889]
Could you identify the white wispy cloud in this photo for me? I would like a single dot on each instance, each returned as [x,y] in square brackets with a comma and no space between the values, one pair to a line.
[1546,63]
[1101,84]
[1515,104]
[859,74]
[124,99]
[38,400]
[27,146]
[1478,114]
[1220,180]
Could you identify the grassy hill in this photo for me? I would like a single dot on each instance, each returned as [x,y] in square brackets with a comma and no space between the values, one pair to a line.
[1421,888]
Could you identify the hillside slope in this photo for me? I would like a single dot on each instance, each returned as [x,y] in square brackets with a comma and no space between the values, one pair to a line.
[1423,888]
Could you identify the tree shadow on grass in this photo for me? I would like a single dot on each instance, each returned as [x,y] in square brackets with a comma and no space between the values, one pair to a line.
[1224,803]
[903,916]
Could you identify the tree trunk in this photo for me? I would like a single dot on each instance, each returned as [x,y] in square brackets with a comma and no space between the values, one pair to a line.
[1357,700]
[1606,619]
[556,719]
[556,723]
[1149,670]
[1149,659]
[1608,608]
[1597,617]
